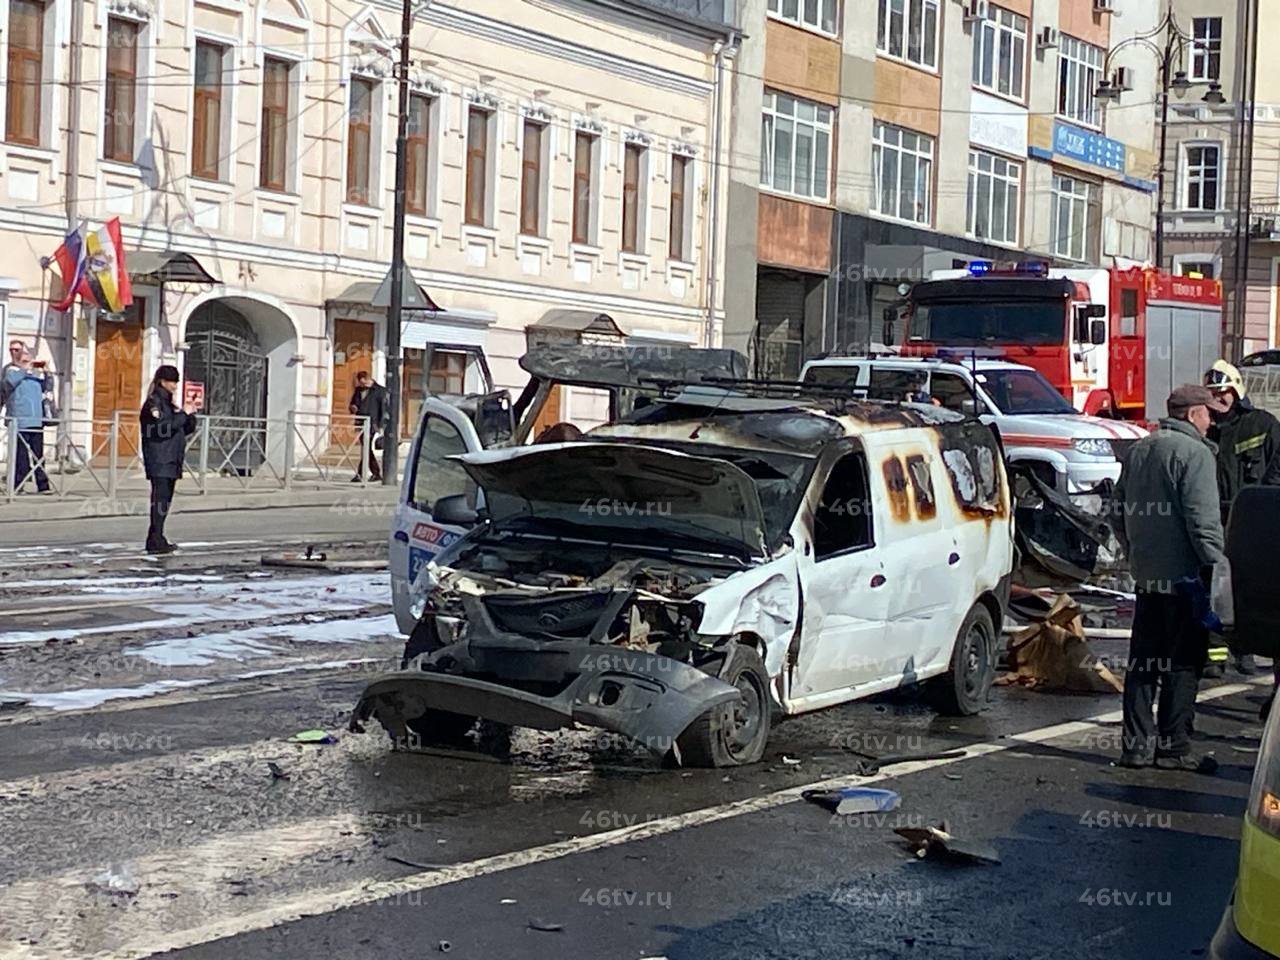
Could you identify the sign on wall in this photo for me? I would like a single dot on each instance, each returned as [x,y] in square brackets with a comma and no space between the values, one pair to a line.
[998,124]
[1085,146]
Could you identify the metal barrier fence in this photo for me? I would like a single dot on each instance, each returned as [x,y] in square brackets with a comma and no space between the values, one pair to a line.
[1262,386]
[102,457]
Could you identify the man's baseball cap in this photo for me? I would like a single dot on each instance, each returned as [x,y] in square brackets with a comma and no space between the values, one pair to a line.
[1193,395]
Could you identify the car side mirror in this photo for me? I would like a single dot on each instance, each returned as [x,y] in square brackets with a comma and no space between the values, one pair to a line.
[455,511]
[969,407]
[1097,332]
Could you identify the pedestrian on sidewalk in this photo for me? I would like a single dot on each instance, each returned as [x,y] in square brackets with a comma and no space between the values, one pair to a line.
[165,428]
[370,401]
[23,385]
[1172,533]
[1248,440]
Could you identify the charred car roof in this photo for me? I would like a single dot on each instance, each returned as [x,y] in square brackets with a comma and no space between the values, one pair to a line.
[802,425]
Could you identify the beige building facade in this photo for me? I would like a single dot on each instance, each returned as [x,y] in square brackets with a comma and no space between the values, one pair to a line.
[1222,159]
[878,140]
[562,156]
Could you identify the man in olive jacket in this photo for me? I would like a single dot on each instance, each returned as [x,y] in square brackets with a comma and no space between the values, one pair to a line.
[1172,533]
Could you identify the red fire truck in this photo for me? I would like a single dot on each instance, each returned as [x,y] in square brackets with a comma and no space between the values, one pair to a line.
[1114,342]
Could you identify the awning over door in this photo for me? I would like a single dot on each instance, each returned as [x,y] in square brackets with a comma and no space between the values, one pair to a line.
[165,266]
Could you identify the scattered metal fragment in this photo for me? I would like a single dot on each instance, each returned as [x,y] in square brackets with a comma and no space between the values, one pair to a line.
[546,926]
[277,771]
[417,865]
[444,946]
[937,843]
[850,800]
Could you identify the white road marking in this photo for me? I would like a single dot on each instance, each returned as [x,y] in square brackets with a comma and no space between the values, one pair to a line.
[329,900]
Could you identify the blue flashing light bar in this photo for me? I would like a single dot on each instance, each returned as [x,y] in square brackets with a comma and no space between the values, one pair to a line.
[991,268]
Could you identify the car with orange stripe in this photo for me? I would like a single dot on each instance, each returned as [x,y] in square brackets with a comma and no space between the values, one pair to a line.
[1069,451]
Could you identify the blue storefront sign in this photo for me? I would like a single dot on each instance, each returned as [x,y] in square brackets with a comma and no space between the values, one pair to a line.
[1086,147]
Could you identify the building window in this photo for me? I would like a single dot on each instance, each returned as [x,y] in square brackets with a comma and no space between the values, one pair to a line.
[360,140]
[818,14]
[908,30]
[634,162]
[995,191]
[417,194]
[902,173]
[584,177]
[477,205]
[1000,52]
[26,71]
[795,146]
[120,95]
[1071,217]
[206,138]
[1079,69]
[681,190]
[1202,268]
[1202,165]
[1206,48]
[532,144]
[274,162]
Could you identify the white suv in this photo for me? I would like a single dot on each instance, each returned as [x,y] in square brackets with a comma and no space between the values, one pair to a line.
[1067,450]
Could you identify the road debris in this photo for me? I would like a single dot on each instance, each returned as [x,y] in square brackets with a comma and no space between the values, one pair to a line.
[277,771]
[1054,654]
[545,926]
[937,843]
[117,879]
[417,865]
[844,801]
[313,736]
[444,946]
[870,764]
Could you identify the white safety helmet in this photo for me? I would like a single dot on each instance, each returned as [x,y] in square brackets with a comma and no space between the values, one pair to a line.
[1223,376]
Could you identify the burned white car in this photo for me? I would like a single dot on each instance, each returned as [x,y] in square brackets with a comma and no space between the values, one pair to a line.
[714,558]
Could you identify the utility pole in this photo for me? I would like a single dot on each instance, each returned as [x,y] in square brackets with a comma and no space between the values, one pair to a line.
[391,443]
[75,76]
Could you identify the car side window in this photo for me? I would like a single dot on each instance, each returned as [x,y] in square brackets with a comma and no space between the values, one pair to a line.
[950,390]
[842,521]
[435,476]
[893,385]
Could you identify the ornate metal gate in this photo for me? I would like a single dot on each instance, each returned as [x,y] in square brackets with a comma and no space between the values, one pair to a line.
[226,356]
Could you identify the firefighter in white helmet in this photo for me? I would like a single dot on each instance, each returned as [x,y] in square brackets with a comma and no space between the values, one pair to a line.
[1248,440]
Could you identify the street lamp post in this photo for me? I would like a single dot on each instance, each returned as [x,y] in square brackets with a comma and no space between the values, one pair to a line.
[391,442]
[1169,42]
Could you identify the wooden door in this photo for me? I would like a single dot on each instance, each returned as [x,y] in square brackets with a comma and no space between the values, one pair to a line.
[549,415]
[352,354]
[118,382]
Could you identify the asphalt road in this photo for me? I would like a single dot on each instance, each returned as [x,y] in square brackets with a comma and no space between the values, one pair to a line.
[147,700]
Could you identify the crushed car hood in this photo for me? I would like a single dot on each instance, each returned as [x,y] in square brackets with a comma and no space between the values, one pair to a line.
[623,487]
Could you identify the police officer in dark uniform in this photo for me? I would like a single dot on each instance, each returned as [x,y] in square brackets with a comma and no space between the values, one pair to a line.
[165,429]
[1248,442]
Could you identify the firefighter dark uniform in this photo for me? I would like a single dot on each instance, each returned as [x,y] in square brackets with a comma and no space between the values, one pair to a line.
[164,440]
[1248,441]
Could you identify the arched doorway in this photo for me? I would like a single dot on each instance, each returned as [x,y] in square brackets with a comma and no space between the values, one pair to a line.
[225,354]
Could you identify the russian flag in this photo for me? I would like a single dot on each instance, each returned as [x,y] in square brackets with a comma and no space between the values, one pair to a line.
[73,263]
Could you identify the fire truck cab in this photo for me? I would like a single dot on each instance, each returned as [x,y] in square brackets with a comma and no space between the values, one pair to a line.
[1113,342]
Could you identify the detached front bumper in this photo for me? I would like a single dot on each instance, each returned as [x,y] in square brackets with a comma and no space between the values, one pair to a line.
[644,696]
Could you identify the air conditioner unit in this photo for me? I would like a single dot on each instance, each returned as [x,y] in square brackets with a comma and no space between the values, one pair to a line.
[1122,79]
[1104,6]
[1047,39]
[975,10]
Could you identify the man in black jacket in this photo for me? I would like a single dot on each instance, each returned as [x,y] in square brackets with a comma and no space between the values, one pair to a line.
[165,429]
[369,400]
[1248,442]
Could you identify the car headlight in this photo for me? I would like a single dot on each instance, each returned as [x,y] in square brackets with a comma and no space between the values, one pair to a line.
[1264,797]
[1094,447]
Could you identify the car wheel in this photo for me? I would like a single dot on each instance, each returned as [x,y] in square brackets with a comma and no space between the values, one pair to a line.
[732,734]
[963,690]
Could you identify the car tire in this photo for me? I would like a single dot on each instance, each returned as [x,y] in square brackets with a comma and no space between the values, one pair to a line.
[733,734]
[963,690]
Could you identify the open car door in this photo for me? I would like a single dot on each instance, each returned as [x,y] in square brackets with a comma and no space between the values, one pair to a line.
[444,432]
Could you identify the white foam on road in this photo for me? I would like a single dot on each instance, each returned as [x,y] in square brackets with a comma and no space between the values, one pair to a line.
[257,641]
[230,601]
[285,909]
